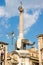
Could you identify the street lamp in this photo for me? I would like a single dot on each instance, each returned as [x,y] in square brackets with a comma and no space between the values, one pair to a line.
[12,37]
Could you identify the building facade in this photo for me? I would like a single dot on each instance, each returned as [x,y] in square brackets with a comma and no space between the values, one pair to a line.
[3,53]
[21,57]
[24,57]
[40,48]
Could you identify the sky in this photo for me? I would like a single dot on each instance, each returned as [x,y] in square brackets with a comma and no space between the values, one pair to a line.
[9,20]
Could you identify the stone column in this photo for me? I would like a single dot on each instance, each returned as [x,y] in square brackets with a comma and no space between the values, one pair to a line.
[27,62]
[40,46]
[5,54]
[20,37]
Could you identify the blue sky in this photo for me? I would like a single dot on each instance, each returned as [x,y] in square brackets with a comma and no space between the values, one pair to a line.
[9,19]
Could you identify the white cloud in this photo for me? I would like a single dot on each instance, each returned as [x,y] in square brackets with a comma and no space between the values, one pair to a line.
[30,19]
[12,5]
[3,12]
[33,3]
[11,9]
[5,23]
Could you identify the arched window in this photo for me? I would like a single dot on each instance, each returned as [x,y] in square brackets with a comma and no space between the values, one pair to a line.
[2,56]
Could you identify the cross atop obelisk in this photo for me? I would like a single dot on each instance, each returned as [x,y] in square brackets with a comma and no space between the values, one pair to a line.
[20,37]
[20,8]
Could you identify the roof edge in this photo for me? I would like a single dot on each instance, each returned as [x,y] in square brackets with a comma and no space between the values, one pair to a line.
[40,35]
[3,43]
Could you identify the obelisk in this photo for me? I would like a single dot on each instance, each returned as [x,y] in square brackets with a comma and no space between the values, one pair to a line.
[20,37]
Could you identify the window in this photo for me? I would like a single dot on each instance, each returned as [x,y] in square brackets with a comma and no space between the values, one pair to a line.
[2,45]
[42,54]
[2,56]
